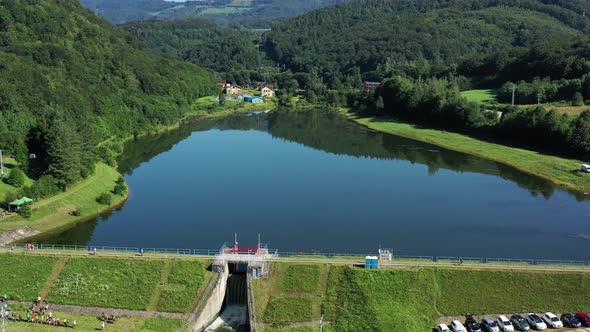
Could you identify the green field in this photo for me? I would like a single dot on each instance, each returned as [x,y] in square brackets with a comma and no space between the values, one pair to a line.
[185,283]
[161,284]
[563,172]
[411,299]
[23,277]
[111,283]
[483,96]
[56,211]
[293,293]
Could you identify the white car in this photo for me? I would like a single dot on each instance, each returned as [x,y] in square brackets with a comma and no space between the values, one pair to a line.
[535,322]
[504,324]
[490,325]
[552,320]
[442,328]
[456,326]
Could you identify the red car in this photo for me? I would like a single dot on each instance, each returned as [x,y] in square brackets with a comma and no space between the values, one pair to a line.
[583,318]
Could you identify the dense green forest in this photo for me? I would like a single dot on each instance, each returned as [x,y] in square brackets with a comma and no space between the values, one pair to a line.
[381,38]
[70,81]
[238,13]
[233,53]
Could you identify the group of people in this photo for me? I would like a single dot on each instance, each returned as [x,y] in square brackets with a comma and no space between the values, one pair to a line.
[39,313]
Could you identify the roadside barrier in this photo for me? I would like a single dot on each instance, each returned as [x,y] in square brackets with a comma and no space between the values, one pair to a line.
[299,255]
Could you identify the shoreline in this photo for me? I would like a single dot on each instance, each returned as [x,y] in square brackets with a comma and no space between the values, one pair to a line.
[559,171]
[27,229]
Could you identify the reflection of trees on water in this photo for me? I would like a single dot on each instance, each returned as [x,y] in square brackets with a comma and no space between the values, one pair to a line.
[330,132]
[145,148]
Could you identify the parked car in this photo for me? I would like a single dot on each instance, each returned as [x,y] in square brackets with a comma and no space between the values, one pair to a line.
[583,318]
[489,325]
[570,321]
[504,324]
[552,321]
[471,324]
[442,328]
[456,326]
[519,322]
[536,322]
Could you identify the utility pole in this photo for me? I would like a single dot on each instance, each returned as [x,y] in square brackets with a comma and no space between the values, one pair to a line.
[513,93]
[539,95]
[3,314]
[322,324]
[1,166]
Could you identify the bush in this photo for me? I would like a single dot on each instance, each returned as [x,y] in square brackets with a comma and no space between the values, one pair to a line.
[25,211]
[77,212]
[104,199]
[120,189]
[46,186]
[16,178]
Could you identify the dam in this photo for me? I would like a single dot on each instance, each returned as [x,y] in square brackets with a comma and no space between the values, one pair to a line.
[228,305]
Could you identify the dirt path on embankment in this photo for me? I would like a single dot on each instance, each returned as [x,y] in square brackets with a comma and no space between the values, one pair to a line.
[97,311]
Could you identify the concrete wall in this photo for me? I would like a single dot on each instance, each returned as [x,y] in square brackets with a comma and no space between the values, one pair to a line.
[251,304]
[212,308]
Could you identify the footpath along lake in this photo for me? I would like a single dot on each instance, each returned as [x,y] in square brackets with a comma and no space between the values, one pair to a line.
[315,181]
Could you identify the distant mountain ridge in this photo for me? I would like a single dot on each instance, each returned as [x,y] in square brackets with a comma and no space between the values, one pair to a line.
[378,35]
[253,13]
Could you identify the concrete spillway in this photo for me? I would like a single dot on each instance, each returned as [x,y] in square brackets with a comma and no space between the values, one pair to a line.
[229,304]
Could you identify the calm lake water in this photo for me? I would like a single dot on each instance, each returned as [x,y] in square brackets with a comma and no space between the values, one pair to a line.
[315,181]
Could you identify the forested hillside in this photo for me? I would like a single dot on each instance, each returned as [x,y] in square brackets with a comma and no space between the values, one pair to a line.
[379,38]
[228,51]
[70,80]
[248,13]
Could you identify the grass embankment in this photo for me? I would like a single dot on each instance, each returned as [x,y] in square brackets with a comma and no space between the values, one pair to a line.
[412,299]
[124,283]
[56,211]
[561,171]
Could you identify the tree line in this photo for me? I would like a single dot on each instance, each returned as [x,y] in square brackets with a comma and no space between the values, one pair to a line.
[70,80]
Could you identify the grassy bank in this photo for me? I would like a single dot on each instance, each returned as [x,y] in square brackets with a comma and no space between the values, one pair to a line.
[410,299]
[157,284]
[563,172]
[57,211]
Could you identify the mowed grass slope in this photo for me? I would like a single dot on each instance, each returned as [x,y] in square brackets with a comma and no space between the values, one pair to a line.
[185,284]
[564,172]
[292,295]
[410,300]
[23,277]
[57,211]
[110,283]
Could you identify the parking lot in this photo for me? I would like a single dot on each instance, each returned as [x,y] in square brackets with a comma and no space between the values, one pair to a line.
[448,319]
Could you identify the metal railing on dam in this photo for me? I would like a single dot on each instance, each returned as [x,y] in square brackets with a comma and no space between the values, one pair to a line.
[295,256]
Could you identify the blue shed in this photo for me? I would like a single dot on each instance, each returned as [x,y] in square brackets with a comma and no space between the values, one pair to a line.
[371,262]
[254,99]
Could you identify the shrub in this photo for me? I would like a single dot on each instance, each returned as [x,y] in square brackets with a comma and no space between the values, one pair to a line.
[25,211]
[46,186]
[16,178]
[120,189]
[104,199]
[77,212]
